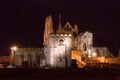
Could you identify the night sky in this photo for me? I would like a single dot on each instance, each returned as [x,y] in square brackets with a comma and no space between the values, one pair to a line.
[22,21]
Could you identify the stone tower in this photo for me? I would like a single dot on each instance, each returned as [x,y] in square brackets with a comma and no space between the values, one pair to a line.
[48,29]
[58,51]
[60,29]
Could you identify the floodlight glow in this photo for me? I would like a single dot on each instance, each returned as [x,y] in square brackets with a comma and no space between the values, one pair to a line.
[94,54]
[14,48]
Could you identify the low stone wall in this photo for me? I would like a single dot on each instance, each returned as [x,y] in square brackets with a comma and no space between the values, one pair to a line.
[96,60]
[115,60]
[4,59]
[112,60]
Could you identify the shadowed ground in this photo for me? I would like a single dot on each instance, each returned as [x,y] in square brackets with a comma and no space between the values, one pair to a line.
[59,74]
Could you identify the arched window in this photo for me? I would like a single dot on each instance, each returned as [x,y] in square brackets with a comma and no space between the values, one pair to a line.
[61,41]
[84,47]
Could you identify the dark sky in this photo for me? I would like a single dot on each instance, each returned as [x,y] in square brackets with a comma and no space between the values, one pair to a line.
[22,21]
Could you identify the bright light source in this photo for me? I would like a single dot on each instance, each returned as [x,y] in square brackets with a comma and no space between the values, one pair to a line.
[14,48]
[94,54]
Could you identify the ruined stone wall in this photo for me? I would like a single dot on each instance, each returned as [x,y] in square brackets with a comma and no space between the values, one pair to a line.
[28,56]
[102,51]
[84,42]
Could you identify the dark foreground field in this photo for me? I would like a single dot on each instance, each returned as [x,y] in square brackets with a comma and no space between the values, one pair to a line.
[59,74]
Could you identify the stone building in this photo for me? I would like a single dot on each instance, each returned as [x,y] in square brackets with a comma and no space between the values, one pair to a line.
[28,57]
[58,48]
[69,35]
[58,51]
[85,43]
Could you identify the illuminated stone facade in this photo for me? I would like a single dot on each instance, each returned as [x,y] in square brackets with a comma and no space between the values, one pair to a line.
[58,51]
[59,46]
[81,41]
[28,57]
[85,43]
